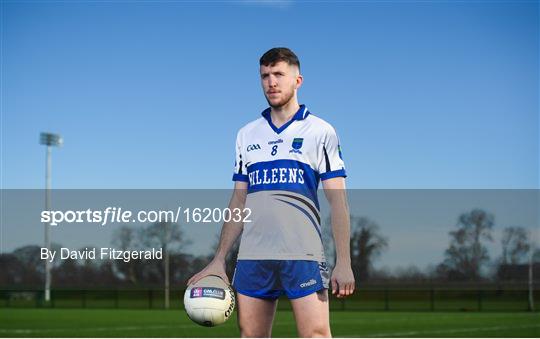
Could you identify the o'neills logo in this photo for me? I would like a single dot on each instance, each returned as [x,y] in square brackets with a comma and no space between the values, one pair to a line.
[308,283]
[279,141]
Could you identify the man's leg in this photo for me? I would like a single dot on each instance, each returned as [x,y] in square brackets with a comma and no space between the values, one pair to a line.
[255,316]
[312,315]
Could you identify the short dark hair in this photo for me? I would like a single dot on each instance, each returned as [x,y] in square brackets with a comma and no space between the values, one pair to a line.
[277,54]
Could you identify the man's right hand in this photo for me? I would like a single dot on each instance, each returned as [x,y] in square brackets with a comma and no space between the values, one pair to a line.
[215,267]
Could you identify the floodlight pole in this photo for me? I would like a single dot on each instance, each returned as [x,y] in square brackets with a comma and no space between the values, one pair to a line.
[531,287]
[49,140]
[166,263]
[47,224]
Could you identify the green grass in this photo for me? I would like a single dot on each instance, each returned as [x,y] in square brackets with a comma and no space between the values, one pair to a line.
[174,323]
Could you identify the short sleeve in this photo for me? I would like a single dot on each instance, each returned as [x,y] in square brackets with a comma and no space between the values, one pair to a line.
[331,163]
[240,171]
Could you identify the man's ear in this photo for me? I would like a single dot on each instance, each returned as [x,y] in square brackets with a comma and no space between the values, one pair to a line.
[299,80]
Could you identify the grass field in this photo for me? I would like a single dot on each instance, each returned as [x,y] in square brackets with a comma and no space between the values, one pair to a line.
[174,323]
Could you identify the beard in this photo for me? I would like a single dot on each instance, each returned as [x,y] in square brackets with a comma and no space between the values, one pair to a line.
[286,98]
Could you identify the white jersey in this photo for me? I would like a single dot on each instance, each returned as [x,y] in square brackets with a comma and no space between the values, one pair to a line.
[283,167]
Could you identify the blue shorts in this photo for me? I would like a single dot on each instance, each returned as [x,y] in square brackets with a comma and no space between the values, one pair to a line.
[269,279]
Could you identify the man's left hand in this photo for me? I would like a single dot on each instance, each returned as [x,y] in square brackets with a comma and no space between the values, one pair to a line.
[342,280]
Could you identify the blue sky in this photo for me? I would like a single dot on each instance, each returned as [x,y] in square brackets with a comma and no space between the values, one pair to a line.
[151,94]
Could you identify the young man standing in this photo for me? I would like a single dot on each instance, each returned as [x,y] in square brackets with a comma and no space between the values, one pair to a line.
[280,159]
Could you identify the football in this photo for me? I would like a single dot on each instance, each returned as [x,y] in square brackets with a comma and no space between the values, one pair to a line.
[210,301]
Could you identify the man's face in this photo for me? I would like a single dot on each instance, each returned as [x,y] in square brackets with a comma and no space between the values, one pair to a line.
[279,82]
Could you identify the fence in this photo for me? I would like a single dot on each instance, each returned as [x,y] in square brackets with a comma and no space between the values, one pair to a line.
[433,299]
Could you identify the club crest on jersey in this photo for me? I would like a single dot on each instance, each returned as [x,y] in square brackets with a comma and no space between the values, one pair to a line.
[253,147]
[296,145]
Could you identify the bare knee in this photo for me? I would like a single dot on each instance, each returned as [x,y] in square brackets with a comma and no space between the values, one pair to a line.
[255,316]
[250,331]
[316,332]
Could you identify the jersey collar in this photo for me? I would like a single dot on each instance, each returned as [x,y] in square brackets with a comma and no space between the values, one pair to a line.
[301,114]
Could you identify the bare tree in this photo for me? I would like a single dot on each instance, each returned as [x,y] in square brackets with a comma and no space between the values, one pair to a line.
[125,238]
[164,235]
[536,256]
[515,245]
[16,272]
[170,238]
[366,245]
[30,257]
[467,253]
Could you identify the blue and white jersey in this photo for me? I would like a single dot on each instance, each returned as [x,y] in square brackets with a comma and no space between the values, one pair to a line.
[283,167]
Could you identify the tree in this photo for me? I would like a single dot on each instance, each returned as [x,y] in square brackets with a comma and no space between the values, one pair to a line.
[366,245]
[169,237]
[34,267]
[162,235]
[466,253]
[30,257]
[125,238]
[15,273]
[536,256]
[515,245]
[515,249]
[410,273]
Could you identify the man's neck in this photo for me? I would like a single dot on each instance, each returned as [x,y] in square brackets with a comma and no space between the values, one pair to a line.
[280,115]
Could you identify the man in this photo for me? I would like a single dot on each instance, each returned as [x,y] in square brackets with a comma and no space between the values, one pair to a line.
[280,159]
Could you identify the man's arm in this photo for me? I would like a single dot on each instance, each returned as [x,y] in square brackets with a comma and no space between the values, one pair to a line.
[342,275]
[229,233]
